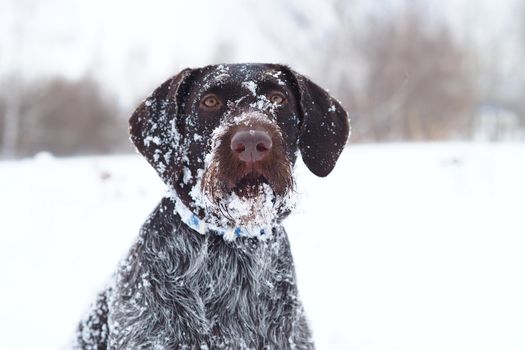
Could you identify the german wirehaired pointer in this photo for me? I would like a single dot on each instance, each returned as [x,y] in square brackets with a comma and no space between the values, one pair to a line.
[212,268]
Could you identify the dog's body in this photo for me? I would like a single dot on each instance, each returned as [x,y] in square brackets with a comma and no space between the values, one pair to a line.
[212,266]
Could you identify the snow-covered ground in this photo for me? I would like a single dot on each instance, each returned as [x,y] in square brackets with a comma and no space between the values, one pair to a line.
[410,246]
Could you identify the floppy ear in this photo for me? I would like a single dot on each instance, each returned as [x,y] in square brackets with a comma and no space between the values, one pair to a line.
[153,128]
[324,129]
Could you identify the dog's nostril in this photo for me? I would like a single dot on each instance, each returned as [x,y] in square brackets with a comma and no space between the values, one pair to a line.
[262,147]
[239,148]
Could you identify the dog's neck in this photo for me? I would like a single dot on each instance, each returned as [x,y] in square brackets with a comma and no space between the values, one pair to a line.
[202,227]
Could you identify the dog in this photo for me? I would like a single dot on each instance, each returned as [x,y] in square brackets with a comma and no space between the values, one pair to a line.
[212,267]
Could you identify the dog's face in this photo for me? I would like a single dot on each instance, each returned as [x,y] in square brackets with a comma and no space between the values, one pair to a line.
[226,137]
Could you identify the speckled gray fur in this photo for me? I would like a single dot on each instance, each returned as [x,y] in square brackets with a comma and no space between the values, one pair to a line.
[180,290]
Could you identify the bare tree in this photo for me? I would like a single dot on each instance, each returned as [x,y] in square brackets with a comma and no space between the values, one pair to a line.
[417,86]
[12,94]
[11,119]
[402,78]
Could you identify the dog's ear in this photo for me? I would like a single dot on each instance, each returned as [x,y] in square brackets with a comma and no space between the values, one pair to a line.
[153,127]
[324,128]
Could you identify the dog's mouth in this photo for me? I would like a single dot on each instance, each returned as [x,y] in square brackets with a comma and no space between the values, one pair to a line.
[250,185]
[244,191]
[252,200]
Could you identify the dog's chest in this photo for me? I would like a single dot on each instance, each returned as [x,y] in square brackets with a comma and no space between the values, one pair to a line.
[187,288]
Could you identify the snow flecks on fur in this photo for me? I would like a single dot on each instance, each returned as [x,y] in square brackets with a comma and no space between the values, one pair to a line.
[197,137]
[148,139]
[255,216]
[222,72]
[93,331]
[250,85]
[158,136]
[264,104]
[177,289]
[277,75]
[186,175]
[238,216]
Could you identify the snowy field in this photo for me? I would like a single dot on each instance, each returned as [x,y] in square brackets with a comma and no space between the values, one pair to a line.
[410,246]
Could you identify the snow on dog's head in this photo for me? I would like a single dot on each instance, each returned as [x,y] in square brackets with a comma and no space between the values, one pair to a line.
[225,139]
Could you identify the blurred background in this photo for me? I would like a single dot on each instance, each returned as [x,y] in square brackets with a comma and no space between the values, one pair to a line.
[414,241]
[71,72]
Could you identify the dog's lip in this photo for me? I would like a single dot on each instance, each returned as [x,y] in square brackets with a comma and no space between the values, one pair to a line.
[252,178]
[250,182]
[253,174]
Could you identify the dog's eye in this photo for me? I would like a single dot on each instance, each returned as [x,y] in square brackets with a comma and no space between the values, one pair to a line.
[277,98]
[210,102]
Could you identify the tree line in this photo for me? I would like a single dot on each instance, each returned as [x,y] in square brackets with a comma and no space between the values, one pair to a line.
[62,117]
[403,77]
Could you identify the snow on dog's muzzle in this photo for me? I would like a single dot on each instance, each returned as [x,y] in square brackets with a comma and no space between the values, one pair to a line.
[247,178]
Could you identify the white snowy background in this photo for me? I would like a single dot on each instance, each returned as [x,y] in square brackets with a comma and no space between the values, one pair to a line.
[404,246]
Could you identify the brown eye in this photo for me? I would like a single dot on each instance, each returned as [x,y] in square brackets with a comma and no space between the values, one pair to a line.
[211,102]
[277,98]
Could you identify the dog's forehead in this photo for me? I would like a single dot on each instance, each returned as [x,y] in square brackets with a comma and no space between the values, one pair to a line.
[245,75]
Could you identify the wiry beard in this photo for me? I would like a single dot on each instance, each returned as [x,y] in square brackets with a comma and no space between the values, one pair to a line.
[253,201]
[240,194]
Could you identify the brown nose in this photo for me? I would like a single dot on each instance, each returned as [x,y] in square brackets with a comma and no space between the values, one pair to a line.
[251,145]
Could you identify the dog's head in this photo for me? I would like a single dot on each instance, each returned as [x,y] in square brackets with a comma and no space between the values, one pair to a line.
[226,137]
